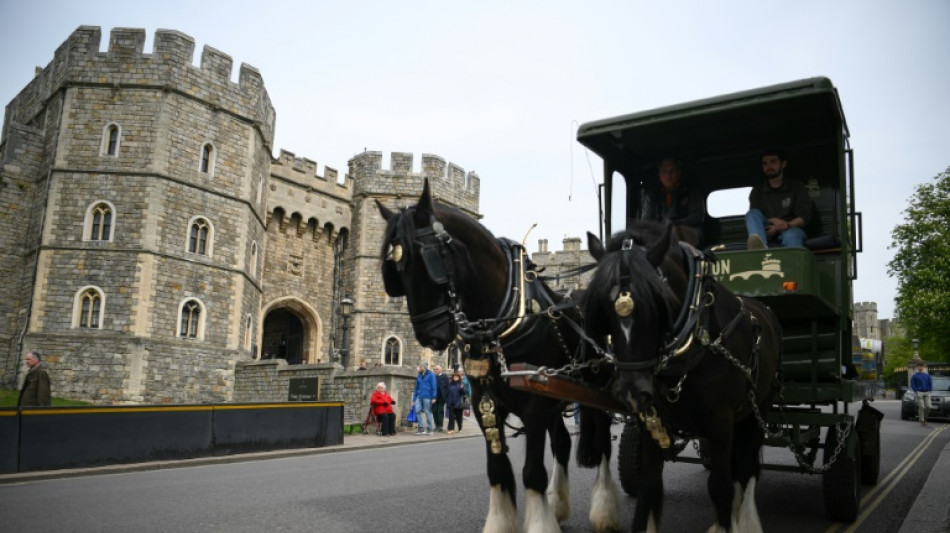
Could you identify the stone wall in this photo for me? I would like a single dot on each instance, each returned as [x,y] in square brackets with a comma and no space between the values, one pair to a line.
[269,381]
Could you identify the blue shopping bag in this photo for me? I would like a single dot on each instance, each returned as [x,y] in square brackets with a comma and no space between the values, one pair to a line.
[412,416]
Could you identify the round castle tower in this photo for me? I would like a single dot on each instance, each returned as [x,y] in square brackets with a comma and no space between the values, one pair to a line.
[137,265]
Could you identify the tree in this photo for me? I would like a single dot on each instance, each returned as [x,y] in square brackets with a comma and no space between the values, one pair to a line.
[922,268]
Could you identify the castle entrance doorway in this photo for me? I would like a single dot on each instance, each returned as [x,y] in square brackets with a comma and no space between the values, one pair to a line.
[284,336]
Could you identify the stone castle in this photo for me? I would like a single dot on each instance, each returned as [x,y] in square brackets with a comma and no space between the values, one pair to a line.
[153,248]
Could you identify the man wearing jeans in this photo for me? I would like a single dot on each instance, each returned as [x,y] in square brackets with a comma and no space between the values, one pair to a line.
[424,396]
[779,208]
[922,386]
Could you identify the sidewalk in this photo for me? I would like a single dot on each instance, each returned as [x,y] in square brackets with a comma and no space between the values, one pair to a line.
[353,441]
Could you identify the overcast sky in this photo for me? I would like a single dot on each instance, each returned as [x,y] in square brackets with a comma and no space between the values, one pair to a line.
[499,87]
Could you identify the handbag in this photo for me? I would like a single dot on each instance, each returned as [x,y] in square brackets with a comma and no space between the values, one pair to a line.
[412,416]
[466,404]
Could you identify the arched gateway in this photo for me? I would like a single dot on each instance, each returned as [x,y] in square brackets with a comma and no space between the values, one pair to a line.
[291,331]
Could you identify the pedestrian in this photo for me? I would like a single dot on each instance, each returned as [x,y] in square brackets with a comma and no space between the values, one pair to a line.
[779,207]
[922,385]
[442,386]
[383,404]
[423,398]
[455,400]
[35,391]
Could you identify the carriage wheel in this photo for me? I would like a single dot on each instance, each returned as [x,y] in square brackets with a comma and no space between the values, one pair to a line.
[841,483]
[628,457]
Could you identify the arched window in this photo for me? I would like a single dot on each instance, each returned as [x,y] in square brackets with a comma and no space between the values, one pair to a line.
[88,308]
[190,322]
[206,164]
[391,352]
[99,223]
[111,136]
[200,236]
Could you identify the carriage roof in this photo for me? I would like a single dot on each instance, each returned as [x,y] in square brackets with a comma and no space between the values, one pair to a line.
[798,113]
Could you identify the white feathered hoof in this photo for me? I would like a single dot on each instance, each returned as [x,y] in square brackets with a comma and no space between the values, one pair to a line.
[538,515]
[502,514]
[559,494]
[748,519]
[605,501]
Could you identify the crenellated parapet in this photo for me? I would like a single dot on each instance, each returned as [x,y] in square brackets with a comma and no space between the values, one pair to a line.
[310,203]
[449,181]
[78,62]
[303,172]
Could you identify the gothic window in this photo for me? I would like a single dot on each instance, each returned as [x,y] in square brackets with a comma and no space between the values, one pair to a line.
[253,265]
[391,352]
[88,308]
[111,136]
[206,165]
[200,236]
[190,321]
[100,222]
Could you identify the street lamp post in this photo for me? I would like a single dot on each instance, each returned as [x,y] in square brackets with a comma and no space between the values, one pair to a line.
[916,354]
[346,309]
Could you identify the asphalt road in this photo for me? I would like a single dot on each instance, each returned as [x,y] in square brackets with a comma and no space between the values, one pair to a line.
[428,486]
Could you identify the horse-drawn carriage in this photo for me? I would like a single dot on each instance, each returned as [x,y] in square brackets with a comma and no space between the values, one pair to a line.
[718,142]
[660,334]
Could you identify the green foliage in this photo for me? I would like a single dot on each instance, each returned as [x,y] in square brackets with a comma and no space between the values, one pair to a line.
[898,351]
[9,397]
[922,267]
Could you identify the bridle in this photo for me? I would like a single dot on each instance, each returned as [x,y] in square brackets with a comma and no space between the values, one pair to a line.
[691,319]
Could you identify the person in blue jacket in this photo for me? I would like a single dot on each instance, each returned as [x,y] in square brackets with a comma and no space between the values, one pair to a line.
[423,398]
[922,385]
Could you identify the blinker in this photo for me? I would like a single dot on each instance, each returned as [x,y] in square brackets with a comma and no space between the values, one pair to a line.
[435,266]
[395,253]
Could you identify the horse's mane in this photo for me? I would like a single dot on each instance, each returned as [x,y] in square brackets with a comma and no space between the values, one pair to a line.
[655,300]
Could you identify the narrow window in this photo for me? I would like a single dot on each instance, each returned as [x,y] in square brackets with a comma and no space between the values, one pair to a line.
[198,240]
[247,332]
[391,355]
[101,223]
[253,264]
[190,314]
[113,146]
[91,304]
[207,158]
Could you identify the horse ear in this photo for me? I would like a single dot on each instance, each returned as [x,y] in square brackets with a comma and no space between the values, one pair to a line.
[384,211]
[595,247]
[425,204]
[656,254]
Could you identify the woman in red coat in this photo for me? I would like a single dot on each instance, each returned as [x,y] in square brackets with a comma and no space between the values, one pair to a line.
[382,404]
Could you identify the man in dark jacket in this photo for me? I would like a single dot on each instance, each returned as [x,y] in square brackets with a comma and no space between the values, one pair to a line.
[35,391]
[442,383]
[779,208]
[922,386]
[673,202]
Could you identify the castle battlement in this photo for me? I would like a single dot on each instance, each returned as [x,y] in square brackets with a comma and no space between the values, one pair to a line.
[303,171]
[78,62]
[449,181]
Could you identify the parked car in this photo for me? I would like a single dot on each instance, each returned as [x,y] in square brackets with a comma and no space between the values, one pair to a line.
[939,400]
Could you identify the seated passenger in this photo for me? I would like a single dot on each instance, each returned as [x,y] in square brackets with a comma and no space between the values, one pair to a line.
[672,202]
[779,208]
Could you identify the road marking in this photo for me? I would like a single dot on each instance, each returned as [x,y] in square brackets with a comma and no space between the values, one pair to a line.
[883,488]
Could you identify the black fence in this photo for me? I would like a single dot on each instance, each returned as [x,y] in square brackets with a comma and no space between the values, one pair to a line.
[44,438]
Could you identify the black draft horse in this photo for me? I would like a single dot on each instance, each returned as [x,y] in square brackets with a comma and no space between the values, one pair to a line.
[691,359]
[460,282]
